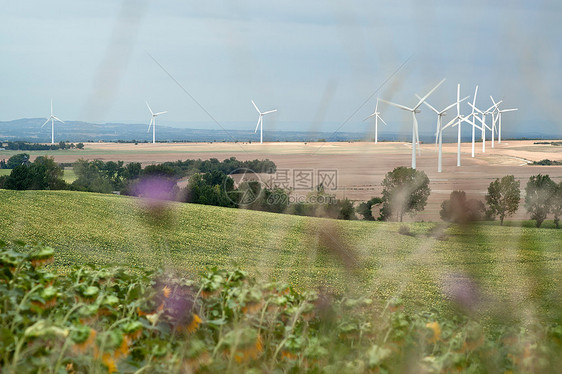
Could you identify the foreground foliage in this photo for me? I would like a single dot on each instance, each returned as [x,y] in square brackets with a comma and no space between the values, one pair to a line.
[100,320]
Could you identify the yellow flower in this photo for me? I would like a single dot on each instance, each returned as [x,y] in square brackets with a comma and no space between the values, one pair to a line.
[436,329]
[109,363]
[82,347]
[123,349]
[252,352]
[195,321]
[167,291]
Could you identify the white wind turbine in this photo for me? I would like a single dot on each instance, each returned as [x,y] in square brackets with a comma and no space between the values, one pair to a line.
[414,110]
[377,116]
[482,120]
[439,132]
[457,121]
[260,120]
[473,115]
[153,122]
[499,118]
[52,118]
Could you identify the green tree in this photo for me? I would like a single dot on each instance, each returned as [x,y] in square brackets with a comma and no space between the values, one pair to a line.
[16,160]
[80,145]
[43,174]
[503,196]
[405,191]
[210,189]
[366,208]
[132,170]
[556,207]
[347,211]
[539,194]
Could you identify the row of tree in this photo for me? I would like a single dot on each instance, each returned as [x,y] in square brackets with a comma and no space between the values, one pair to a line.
[543,196]
[25,146]
[405,190]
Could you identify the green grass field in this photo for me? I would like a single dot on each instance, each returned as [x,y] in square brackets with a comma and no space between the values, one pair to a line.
[513,268]
[5,172]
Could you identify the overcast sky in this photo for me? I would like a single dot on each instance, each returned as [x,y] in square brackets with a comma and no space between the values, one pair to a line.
[315,61]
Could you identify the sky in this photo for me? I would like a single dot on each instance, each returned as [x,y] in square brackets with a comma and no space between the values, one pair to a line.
[322,64]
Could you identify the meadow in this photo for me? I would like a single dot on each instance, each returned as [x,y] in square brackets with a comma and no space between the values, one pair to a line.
[515,268]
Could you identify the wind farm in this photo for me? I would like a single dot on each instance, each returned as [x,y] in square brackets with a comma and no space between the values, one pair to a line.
[378,219]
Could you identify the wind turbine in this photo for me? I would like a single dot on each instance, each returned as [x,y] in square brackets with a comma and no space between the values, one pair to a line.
[457,121]
[414,110]
[260,120]
[153,122]
[377,116]
[52,118]
[473,115]
[438,134]
[499,115]
[482,120]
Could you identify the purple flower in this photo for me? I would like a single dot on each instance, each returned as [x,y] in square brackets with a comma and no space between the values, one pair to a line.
[155,188]
[462,290]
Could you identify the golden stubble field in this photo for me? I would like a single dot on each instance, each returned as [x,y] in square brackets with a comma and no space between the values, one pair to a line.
[360,166]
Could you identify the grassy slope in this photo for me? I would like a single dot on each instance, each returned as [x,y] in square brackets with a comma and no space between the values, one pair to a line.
[521,266]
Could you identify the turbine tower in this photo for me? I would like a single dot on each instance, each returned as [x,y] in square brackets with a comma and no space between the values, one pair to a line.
[482,120]
[439,132]
[414,110]
[153,122]
[457,121]
[377,116]
[473,115]
[52,118]
[499,116]
[260,120]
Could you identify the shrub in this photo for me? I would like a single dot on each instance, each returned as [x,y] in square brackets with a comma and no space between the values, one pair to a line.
[460,210]
[539,193]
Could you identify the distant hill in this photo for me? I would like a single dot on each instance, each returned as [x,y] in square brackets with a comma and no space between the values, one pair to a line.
[29,129]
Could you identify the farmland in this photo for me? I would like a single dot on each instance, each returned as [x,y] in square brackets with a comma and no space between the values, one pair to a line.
[512,266]
[360,166]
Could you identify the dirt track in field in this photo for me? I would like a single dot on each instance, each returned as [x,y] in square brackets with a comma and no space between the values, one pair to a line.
[360,166]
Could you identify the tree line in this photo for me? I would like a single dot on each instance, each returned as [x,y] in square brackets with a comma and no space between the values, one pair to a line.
[405,190]
[26,146]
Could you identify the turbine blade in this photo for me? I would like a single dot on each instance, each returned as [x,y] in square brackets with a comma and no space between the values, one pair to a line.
[429,93]
[57,119]
[452,122]
[382,120]
[51,107]
[372,115]
[269,111]
[47,121]
[475,108]
[150,124]
[509,110]
[397,105]
[157,114]
[255,106]
[258,125]
[151,112]
[428,105]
